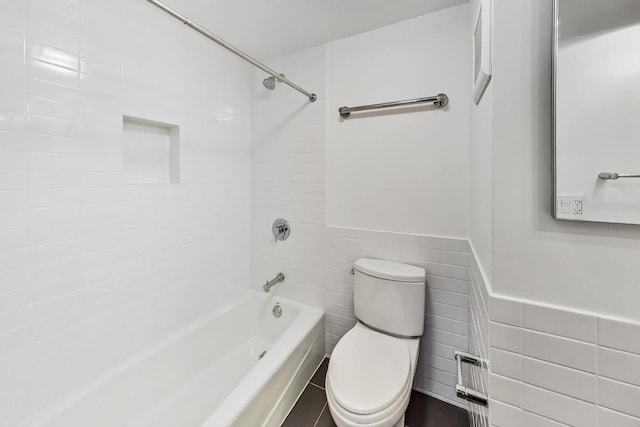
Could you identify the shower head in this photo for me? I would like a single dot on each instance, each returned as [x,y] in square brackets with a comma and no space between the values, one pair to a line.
[270,82]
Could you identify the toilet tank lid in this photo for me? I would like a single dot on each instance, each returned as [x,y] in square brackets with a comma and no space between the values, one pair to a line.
[390,270]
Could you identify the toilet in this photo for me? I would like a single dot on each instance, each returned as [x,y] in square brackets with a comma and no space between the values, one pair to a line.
[371,369]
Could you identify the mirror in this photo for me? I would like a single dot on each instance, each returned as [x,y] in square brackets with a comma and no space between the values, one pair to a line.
[596,97]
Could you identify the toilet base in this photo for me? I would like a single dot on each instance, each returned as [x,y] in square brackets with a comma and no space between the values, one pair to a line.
[338,422]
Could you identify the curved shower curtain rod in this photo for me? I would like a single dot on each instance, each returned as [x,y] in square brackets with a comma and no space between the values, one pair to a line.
[312,96]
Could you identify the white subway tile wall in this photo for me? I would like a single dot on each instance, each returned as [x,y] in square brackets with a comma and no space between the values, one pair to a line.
[289,170]
[569,368]
[551,366]
[479,339]
[91,270]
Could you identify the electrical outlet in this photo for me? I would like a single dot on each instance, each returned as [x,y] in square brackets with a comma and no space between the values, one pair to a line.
[576,206]
[570,206]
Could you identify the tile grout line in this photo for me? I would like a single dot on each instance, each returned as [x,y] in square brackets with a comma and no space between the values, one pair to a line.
[320,415]
[316,385]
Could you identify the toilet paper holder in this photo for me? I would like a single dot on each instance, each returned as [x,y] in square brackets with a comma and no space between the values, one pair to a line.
[462,391]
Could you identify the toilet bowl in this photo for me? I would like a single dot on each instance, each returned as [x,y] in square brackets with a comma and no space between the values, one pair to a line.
[369,378]
[371,369]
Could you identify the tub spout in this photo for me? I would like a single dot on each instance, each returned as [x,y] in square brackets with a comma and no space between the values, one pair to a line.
[271,283]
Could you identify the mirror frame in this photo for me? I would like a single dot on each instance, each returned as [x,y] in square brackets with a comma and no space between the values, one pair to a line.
[554,82]
[607,217]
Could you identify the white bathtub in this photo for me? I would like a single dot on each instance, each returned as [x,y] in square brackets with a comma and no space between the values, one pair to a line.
[209,374]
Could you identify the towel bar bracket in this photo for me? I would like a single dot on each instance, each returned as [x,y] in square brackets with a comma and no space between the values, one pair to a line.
[462,391]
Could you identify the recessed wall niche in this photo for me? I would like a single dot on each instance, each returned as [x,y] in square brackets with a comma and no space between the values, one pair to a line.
[151,152]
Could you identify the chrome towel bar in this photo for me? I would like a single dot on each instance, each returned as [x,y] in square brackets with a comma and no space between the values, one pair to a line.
[438,101]
[462,391]
[615,175]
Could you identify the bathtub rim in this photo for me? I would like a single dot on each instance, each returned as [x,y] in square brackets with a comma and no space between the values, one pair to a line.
[249,387]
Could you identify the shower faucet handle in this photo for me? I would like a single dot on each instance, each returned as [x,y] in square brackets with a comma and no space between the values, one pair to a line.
[280,229]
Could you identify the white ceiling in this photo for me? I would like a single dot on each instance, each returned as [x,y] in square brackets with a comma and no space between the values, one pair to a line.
[267,28]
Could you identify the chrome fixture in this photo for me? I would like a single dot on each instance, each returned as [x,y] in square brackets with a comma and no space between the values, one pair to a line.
[270,82]
[614,175]
[462,391]
[271,283]
[277,311]
[312,96]
[281,229]
[439,101]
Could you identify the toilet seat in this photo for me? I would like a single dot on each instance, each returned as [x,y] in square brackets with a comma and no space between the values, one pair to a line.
[385,418]
[369,378]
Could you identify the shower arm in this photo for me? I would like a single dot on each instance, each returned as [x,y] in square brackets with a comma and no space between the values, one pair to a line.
[312,96]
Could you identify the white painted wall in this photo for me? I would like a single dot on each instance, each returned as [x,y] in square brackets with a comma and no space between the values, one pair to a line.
[480,173]
[593,140]
[91,270]
[405,171]
[580,265]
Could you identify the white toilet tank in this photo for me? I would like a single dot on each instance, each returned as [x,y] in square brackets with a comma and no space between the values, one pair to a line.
[389,296]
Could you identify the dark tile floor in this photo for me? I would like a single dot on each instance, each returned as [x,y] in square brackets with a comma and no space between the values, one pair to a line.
[424,411]
[311,409]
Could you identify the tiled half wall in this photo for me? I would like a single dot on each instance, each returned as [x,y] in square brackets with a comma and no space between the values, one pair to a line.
[478,339]
[319,265]
[551,366]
